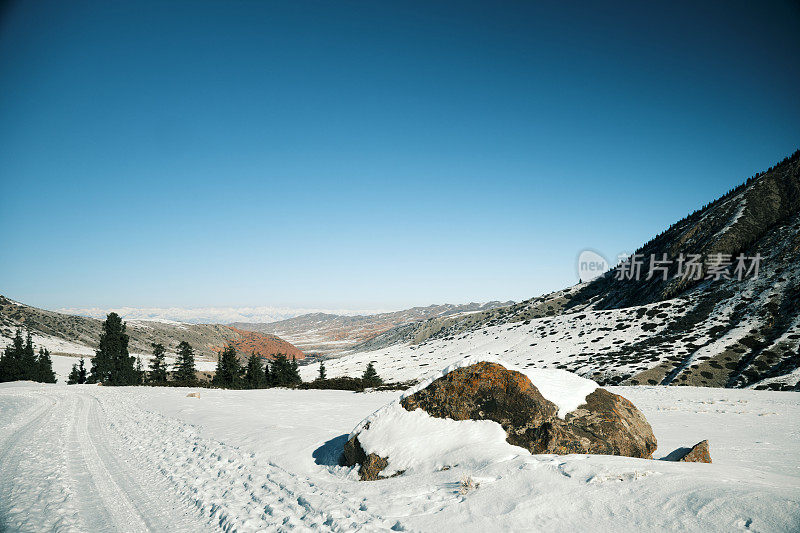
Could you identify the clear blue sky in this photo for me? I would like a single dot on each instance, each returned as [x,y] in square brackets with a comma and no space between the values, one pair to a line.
[369,154]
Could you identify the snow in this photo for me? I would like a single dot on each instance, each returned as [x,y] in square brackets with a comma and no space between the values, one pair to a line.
[88,458]
[414,440]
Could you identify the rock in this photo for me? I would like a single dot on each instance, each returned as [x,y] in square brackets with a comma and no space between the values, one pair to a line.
[699,453]
[193,395]
[371,465]
[606,424]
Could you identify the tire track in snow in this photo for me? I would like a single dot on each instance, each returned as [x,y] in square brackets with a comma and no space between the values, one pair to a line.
[144,487]
[236,489]
[111,497]
[60,470]
[34,492]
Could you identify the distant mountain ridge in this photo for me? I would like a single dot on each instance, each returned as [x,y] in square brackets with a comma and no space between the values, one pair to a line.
[206,315]
[76,335]
[325,334]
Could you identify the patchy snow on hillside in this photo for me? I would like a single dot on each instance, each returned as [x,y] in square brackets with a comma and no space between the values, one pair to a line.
[88,458]
[541,342]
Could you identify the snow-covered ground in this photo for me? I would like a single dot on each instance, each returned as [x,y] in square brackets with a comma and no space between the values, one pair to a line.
[89,458]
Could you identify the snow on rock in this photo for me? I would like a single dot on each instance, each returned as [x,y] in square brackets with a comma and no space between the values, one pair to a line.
[405,435]
[414,440]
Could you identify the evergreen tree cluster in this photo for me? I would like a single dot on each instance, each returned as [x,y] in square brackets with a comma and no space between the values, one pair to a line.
[113,365]
[77,375]
[19,361]
[257,373]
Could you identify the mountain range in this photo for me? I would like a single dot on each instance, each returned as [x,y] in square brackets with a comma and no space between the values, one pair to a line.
[331,334]
[706,329]
[722,332]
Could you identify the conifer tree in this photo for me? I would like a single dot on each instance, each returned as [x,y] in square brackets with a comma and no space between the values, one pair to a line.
[44,367]
[158,365]
[229,370]
[28,364]
[321,371]
[184,371]
[19,361]
[284,372]
[112,364]
[72,379]
[371,377]
[81,372]
[254,377]
[11,362]
[140,374]
[279,371]
[268,379]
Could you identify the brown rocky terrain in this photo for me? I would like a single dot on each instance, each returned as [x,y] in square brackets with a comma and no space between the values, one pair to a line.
[263,344]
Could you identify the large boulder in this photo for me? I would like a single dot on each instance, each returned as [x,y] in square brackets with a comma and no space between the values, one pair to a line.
[601,423]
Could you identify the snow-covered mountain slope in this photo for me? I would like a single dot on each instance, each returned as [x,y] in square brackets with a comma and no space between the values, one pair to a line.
[723,333]
[88,458]
[79,336]
[330,334]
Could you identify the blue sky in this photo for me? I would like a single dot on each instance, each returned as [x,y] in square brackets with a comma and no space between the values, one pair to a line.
[369,154]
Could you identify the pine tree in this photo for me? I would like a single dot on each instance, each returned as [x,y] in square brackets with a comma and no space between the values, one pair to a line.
[72,379]
[268,378]
[229,371]
[28,364]
[371,377]
[11,362]
[140,374]
[44,366]
[254,377]
[19,361]
[184,371]
[112,364]
[158,365]
[81,372]
[321,371]
[282,373]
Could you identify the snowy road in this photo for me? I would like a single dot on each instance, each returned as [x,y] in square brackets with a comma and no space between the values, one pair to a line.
[88,458]
[65,468]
